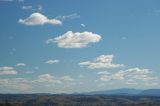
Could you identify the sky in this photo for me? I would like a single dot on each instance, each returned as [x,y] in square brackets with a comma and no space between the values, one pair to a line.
[66,46]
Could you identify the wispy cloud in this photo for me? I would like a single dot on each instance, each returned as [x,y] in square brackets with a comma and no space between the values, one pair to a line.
[7,70]
[71,16]
[52,61]
[39,19]
[31,8]
[75,40]
[83,25]
[47,78]
[66,78]
[103,61]
[15,85]
[20,64]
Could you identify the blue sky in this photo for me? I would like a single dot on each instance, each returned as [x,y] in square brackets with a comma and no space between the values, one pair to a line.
[78,46]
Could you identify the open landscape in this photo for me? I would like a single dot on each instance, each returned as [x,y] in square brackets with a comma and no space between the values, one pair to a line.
[117,97]
[77,100]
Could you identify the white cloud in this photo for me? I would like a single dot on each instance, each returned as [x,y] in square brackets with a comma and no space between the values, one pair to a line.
[6,70]
[131,82]
[29,7]
[75,40]
[39,19]
[131,75]
[103,61]
[83,25]
[47,78]
[15,84]
[20,64]
[66,78]
[71,16]
[52,61]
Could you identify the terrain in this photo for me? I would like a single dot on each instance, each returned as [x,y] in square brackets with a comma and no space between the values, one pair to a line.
[118,97]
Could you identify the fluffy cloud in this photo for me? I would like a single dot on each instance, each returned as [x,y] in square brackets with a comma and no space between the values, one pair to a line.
[39,19]
[103,61]
[52,61]
[7,71]
[131,75]
[47,78]
[75,40]
[20,64]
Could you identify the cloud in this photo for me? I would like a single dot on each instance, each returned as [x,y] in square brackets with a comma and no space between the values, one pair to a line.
[15,85]
[75,40]
[20,64]
[66,78]
[39,19]
[52,61]
[83,25]
[47,78]
[71,16]
[131,75]
[29,7]
[103,61]
[131,82]
[7,71]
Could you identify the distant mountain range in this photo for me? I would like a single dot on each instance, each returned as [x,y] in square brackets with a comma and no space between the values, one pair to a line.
[114,92]
[126,91]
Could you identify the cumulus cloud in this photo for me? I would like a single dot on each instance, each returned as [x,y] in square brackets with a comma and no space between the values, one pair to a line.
[47,78]
[52,61]
[75,40]
[131,75]
[6,70]
[39,19]
[103,61]
[20,64]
